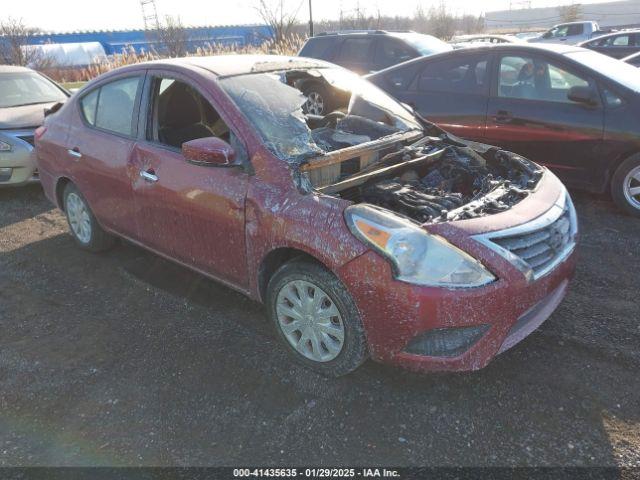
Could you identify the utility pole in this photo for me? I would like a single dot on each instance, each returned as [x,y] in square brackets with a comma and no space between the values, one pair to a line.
[310,19]
[149,14]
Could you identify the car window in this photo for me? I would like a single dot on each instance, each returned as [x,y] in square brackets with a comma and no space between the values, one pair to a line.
[460,75]
[536,79]
[621,41]
[556,32]
[318,47]
[577,29]
[355,50]
[401,78]
[27,88]
[89,104]
[111,107]
[179,114]
[390,52]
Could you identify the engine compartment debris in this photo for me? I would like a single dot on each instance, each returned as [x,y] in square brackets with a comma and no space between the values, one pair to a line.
[454,186]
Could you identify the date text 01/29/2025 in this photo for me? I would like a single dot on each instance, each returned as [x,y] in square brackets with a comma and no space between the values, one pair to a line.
[315,473]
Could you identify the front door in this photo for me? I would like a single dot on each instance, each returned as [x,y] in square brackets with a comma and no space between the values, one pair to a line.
[530,114]
[452,93]
[194,214]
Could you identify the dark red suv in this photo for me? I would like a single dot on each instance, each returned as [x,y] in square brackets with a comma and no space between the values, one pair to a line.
[366,232]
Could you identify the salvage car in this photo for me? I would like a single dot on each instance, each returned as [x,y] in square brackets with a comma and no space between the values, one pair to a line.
[367,232]
[571,109]
[617,45]
[24,97]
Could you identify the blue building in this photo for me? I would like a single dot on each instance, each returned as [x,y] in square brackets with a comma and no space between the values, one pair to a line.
[115,41]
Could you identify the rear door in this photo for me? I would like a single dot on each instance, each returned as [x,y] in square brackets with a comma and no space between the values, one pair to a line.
[451,92]
[530,114]
[192,213]
[99,144]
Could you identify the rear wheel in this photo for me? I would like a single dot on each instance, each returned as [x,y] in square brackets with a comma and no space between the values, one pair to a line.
[316,318]
[83,224]
[625,186]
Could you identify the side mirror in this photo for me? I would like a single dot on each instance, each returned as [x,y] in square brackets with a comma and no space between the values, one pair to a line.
[583,95]
[209,152]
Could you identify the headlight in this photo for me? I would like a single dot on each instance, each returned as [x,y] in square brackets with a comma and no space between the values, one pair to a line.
[417,256]
[5,147]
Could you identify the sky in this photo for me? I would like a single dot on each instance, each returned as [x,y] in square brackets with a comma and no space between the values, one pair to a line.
[71,15]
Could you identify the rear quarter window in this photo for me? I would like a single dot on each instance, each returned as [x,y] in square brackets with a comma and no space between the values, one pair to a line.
[318,47]
[111,107]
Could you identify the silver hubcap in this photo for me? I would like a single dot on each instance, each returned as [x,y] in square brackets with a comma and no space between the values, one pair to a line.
[310,321]
[632,187]
[315,103]
[79,219]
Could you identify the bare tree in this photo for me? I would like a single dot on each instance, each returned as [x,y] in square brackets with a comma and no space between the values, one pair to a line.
[173,36]
[570,13]
[15,46]
[277,15]
[440,22]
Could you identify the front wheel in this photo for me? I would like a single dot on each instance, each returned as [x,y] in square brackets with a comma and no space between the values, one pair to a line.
[316,319]
[84,227]
[625,186]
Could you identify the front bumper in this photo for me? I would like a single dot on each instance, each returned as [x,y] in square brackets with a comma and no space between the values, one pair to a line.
[395,313]
[20,159]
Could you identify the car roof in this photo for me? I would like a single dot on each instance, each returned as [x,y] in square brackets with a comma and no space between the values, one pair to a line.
[231,65]
[13,69]
[615,34]
[532,47]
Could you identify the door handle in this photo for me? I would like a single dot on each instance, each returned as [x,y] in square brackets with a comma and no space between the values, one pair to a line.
[502,116]
[74,152]
[149,176]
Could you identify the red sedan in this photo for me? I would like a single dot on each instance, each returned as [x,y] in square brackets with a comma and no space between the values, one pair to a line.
[367,232]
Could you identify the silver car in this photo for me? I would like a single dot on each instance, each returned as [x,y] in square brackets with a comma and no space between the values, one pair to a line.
[24,96]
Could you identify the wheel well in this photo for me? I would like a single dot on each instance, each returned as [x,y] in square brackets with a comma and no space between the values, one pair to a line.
[274,260]
[60,186]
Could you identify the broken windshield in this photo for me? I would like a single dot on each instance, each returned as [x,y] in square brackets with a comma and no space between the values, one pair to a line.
[274,104]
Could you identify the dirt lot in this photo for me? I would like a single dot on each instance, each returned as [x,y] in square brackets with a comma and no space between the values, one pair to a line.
[126,359]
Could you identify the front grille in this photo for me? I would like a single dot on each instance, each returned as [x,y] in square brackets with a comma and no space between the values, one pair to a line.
[536,247]
[540,249]
[29,139]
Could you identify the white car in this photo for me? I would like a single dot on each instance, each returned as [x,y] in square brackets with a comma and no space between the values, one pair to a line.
[24,97]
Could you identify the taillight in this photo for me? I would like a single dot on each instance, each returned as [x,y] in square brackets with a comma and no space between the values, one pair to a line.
[40,131]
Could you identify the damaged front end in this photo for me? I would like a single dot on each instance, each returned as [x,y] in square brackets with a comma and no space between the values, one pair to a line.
[438,179]
[373,150]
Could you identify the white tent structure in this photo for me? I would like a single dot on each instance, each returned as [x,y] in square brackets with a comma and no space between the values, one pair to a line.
[70,54]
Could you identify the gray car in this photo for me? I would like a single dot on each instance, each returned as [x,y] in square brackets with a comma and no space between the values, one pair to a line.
[24,96]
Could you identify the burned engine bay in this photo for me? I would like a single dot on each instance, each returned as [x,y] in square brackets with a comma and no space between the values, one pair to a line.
[434,181]
[371,149]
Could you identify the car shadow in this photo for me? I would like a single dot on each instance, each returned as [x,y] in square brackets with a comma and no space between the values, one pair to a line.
[184,371]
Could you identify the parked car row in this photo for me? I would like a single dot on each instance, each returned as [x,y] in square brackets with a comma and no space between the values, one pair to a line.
[564,107]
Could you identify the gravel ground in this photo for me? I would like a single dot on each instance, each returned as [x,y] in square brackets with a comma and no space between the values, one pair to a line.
[126,359]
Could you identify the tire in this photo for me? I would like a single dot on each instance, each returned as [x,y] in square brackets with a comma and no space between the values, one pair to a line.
[317,94]
[340,344]
[625,186]
[84,227]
